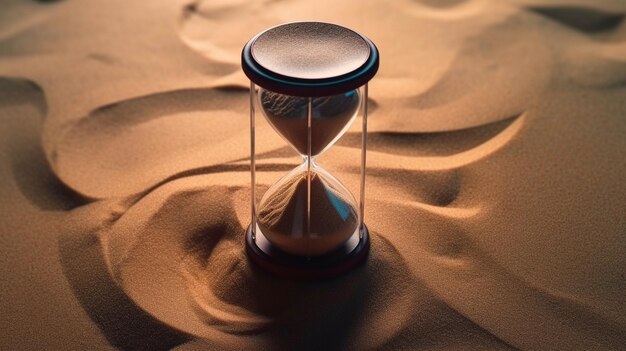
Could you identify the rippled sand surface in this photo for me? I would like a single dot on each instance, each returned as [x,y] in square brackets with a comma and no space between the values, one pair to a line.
[495,189]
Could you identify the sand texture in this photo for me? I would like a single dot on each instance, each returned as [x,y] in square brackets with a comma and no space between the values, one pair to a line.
[331,116]
[495,185]
[308,226]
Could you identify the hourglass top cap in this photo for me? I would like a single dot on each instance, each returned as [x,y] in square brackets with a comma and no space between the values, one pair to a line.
[309,59]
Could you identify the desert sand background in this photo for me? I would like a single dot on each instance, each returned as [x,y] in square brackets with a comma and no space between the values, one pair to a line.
[495,189]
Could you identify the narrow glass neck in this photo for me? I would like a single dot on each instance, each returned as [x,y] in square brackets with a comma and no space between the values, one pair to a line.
[305,159]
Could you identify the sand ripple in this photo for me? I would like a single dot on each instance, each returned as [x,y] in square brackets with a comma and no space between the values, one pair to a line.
[495,185]
[164,262]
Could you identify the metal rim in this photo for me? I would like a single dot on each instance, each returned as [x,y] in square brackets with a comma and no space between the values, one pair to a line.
[309,87]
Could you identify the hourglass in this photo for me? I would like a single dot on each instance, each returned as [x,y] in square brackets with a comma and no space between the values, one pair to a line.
[309,81]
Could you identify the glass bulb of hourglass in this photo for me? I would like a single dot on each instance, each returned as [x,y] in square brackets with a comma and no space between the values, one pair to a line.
[299,217]
[331,117]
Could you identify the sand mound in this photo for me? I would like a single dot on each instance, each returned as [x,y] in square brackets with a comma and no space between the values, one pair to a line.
[333,216]
[163,261]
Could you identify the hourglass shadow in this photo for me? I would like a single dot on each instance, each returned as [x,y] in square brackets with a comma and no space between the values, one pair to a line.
[334,326]
[292,314]
[232,296]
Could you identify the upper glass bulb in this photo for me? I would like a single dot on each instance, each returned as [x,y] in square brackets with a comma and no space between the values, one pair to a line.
[331,116]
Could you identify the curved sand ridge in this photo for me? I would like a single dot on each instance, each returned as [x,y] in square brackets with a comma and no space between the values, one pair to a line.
[402,87]
[164,261]
[493,182]
[463,96]
[150,139]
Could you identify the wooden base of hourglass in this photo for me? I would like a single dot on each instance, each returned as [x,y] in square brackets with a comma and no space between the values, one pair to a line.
[342,260]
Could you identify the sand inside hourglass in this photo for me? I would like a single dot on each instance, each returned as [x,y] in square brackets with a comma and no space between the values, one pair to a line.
[331,116]
[282,215]
[308,212]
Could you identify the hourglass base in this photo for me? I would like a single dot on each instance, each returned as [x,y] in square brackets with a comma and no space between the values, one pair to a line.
[342,260]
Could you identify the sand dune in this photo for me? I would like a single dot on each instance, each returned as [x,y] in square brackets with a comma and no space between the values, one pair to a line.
[495,192]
